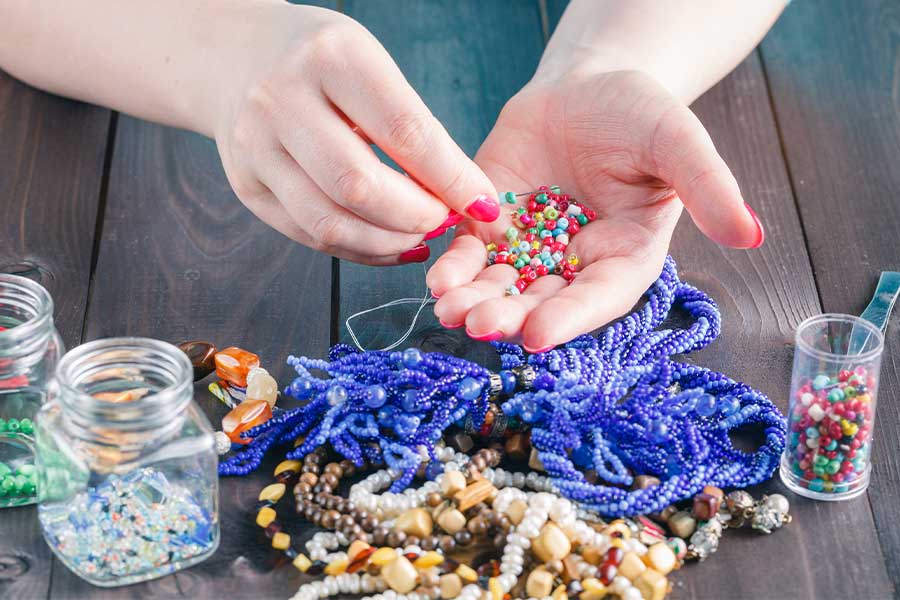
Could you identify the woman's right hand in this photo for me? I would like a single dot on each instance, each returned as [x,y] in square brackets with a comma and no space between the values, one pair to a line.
[300,95]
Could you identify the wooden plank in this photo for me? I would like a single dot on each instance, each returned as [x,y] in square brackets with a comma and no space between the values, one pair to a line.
[459,57]
[51,169]
[834,71]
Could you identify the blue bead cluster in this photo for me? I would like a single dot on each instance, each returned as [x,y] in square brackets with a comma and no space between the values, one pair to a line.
[616,403]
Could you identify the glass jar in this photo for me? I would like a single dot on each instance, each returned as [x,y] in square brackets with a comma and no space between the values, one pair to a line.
[831,416]
[29,350]
[126,463]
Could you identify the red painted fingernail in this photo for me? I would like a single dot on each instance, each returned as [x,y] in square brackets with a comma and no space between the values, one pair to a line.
[454,218]
[538,350]
[762,232]
[484,208]
[449,326]
[485,337]
[436,233]
[418,254]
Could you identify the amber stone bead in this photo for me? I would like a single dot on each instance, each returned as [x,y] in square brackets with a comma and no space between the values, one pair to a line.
[202,357]
[234,364]
[262,386]
[705,506]
[243,417]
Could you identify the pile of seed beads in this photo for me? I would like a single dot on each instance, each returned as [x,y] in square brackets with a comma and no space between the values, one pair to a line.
[546,223]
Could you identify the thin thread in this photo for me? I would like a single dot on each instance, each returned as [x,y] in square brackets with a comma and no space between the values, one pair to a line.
[423,302]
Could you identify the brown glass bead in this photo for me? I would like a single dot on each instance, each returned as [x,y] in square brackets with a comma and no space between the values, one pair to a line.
[202,356]
[447,544]
[330,519]
[369,522]
[302,488]
[330,479]
[412,540]
[517,447]
[380,535]
[395,539]
[479,463]
[335,469]
[433,499]
[346,521]
[500,541]
[357,514]
[309,478]
[285,476]
[308,468]
[477,526]
[348,467]
[272,529]
[463,538]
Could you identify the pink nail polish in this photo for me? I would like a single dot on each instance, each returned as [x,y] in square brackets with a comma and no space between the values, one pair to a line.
[433,295]
[538,350]
[484,208]
[449,325]
[436,233]
[418,254]
[485,337]
[454,218]
[762,232]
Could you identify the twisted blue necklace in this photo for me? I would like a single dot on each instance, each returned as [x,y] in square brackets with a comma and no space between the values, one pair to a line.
[616,403]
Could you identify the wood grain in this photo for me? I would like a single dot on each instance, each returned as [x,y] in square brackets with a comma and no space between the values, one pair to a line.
[834,70]
[51,166]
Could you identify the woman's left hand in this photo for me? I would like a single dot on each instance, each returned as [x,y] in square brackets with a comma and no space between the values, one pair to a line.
[620,144]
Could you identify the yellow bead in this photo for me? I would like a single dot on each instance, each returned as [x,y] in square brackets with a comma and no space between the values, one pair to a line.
[491,247]
[281,541]
[495,589]
[619,526]
[593,589]
[355,548]
[382,556]
[428,560]
[265,516]
[337,567]
[288,465]
[302,563]
[560,593]
[272,493]
[617,542]
[536,245]
[467,573]
[539,217]
[573,260]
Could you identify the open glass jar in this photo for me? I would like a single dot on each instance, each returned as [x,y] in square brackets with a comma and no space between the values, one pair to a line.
[29,350]
[126,463]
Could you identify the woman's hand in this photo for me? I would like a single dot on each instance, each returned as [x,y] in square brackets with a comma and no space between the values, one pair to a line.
[620,144]
[305,93]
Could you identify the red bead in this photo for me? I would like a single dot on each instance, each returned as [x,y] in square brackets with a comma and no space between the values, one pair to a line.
[530,237]
[591,215]
[824,440]
[568,275]
[550,224]
[511,259]
[532,206]
[521,285]
[542,270]
[502,248]
[563,206]
[613,556]
[574,227]
[531,276]
[843,375]
[837,477]
[831,455]
[607,573]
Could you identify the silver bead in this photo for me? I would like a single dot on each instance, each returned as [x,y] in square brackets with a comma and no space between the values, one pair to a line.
[222,443]
[778,502]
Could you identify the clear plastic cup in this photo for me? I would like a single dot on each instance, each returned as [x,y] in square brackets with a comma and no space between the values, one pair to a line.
[837,360]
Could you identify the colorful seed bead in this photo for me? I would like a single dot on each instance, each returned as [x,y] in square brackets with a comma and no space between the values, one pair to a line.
[551,219]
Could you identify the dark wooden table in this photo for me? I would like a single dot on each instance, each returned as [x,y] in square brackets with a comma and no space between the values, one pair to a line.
[135,231]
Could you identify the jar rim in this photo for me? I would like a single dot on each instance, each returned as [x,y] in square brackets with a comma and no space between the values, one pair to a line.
[39,301]
[855,321]
[107,352]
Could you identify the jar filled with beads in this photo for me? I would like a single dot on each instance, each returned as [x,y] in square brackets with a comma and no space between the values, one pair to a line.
[126,464]
[29,350]
[832,407]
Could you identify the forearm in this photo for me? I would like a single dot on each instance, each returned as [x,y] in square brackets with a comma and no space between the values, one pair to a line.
[156,60]
[687,45]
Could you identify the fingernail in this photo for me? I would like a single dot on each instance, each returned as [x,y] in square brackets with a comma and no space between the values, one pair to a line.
[418,254]
[453,219]
[435,296]
[484,208]
[759,226]
[450,326]
[485,337]
[538,350]
[436,233]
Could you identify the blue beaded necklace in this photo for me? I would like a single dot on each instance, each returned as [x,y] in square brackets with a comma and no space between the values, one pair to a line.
[616,403]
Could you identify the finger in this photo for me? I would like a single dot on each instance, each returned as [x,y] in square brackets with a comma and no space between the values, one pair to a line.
[507,315]
[688,161]
[346,169]
[393,115]
[603,291]
[452,308]
[464,259]
[332,228]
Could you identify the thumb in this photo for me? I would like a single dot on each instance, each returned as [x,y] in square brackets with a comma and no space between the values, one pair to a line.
[687,160]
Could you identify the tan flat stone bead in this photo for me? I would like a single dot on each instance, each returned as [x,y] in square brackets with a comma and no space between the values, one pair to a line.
[337,567]
[428,560]
[631,566]
[593,555]
[652,585]
[265,516]
[451,520]
[467,573]
[382,556]
[560,593]
[516,511]
[285,465]
[415,521]
[534,461]
[551,544]
[453,482]
[593,589]
[400,575]
[272,492]
[479,491]
[302,563]
[682,524]
[450,585]
[661,558]
[495,589]
[539,583]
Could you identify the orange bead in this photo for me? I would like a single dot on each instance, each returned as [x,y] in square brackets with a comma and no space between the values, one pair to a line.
[233,364]
[244,416]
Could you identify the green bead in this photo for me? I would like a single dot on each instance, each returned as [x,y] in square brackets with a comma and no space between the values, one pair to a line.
[26,469]
[512,233]
[520,210]
[551,213]
[541,199]
[820,461]
[4,470]
[21,481]
[833,467]
[26,426]
[28,488]
[818,470]
[8,485]
[555,189]
[835,395]
[12,425]
[532,230]
[582,220]
[519,263]
[510,197]
[2,424]
[850,391]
